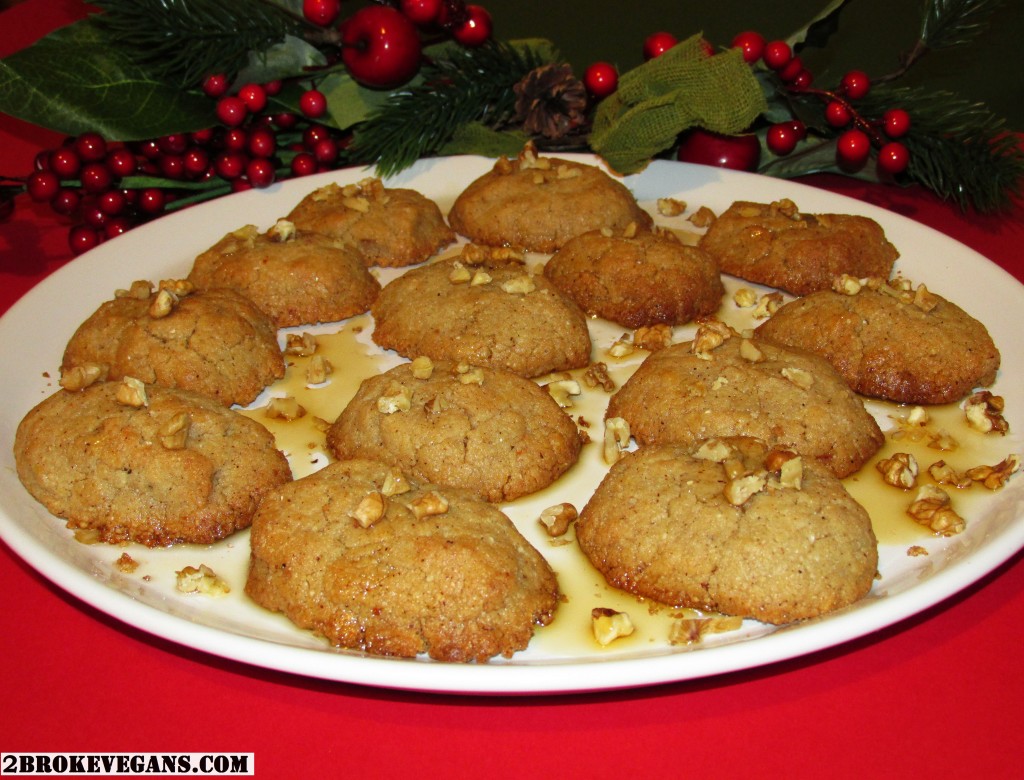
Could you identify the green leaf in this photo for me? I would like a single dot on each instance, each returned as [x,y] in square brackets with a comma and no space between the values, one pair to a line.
[349,102]
[76,80]
[284,60]
[477,138]
[818,31]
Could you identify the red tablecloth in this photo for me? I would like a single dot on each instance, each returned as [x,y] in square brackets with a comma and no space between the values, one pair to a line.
[938,695]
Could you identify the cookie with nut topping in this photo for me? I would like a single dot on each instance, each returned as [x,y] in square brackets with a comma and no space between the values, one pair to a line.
[387,226]
[147,464]
[637,278]
[377,562]
[488,431]
[890,340]
[733,526]
[722,384]
[778,245]
[215,342]
[538,203]
[486,308]
[295,277]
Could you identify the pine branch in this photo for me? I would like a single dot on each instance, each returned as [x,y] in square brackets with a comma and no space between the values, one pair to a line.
[466,85]
[186,40]
[949,23]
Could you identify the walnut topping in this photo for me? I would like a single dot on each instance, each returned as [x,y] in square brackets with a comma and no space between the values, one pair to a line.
[285,408]
[630,230]
[767,305]
[283,230]
[469,375]
[932,508]
[690,631]
[616,438]
[916,550]
[596,375]
[785,207]
[621,347]
[984,412]
[300,344]
[395,483]
[945,474]
[80,377]
[126,564]
[522,284]
[174,433]
[177,287]
[745,297]
[670,207]
[476,254]
[556,519]
[702,217]
[994,477]
[356,203]
[318,370]
[163,304]
[562,391]
[422,367]
[370,509]
[714,450]
[428,505]
[847,285]
[609,625]
[397,399]
[503,166]
[740,489]
[132,392]
[918,415]
[653,337]
[567,172]
[203,580]
[480,277]
[710,335]
[798,376]
[900,470]
[140,290]
[749,351]
[787,465]
[459,273]
[925,300]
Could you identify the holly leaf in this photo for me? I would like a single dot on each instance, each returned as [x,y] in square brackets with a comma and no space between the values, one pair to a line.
[76,80]
[478,138]
[281,61]
[818,31]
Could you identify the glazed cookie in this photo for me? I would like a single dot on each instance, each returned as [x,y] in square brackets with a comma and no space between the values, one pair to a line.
[375,562]
[637,278]
[146,464]
[215,342]
[776,245]
[483,310]
[733,527]
[721,384]
[539,203]
[890,340]
[295,277]
[488,431]
[389,227]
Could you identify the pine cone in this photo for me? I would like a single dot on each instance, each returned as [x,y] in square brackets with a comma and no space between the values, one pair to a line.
[550,101]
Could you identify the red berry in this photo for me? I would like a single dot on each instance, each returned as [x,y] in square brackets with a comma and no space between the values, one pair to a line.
[783,137]
[66,201]
[801,80]
[737,152]
[91,147]
[172,166]
[42,186]
[260,172]
[152,201]
[229,165]
[380,47]
[853,148]
[601,79]
[116,227]
[325,151]
[231,110]
[321,12]
[312,134]
[196,162]
[149,149]
[303,164]
[82,239]
[235,139]
[477,28]
[313,103]
[791,69]
[855,84]
[122,162]
[751,43]
[837,114]
[422,13]
[896,122]
[254,96]
[262,142]
[284,121]
[893,158]
[96,177]
[658,43]
[112,202]
[776,54]
[65,162]
[215,85]
[176,143]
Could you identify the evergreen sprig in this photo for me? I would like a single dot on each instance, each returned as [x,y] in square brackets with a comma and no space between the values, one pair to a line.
[184,41]
[949,23]
[462,86]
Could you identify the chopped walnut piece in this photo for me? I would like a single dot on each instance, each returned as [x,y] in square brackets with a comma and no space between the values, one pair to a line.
[356,203]
[503,166]
[397,399]
[174,433]
[740,489]
[671,207]
[300,344]
[370,509]
[945,474]
[318,370]
[395,483]
[283,230]
[140,290]
[689,631]
[566,172]
[916,550]
[942,440]
[203,580]
[932,508]
[653,337]
[285,408]
[596,375]
[621,347]
[519,285]
[428,505]
[745,297]
[180,288]
[80,377]
[750,352]
[480,277]
[702,217]
[800,377]
[709,336]
[132,392]
[562,391]
[422,367]
[459,273]
[163,304]
[714,450]
[609,625]
[984,412]
[630,230]
[786,208]
[616,439]
[925,300]
[900,470]
[469,375]
[126,564]
[767,305]
[557,519]
[847,285]
[787,465]
[994,477]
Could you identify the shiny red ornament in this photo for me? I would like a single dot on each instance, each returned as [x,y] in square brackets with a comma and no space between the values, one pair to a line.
[896,122]
[321,12]
[601,79]
[893,158]
[853,148]
[855,84]
[380,47]
[422,13]
[658,43]
[477,29]
[776,54]
[313,103]
[751,44]
[737,152]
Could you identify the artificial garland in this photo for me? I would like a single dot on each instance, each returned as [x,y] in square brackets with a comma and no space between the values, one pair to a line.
[206,97]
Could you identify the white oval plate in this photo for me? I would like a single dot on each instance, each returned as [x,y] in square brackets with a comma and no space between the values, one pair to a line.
[34,332]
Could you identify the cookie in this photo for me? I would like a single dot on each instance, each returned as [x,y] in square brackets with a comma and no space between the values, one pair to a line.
[477,309]
[295,277]
[637,278]
[179,467]
[889,340]
[390,227]
[721,384]
[775,244]
[539,203]
[487,431]
[215,341]
[378,563]
[732,527]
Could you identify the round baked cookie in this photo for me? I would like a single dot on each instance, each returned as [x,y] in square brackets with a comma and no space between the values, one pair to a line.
[215,341]
[723,528]
[485,312]
[295,277]
[431,570]
[389,227]
[179,467]
[775,244]
[539,203]
[717,386]
[637,278]
[487,431]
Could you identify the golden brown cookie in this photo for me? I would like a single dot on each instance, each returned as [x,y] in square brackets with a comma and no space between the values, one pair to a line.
[776,245]
[890,340]
[478,310]
[295,277]
[180,467]
[721,384]
[214,342]
[389,227]
[539,203]
[730,526]
[637,278]
[487,431]
[375,562]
